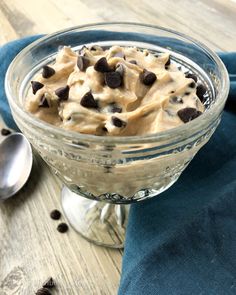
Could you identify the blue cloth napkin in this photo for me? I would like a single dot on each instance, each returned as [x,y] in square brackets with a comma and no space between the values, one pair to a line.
[184,240]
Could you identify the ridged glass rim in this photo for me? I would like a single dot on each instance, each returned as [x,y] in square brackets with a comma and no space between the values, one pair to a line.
[196,125]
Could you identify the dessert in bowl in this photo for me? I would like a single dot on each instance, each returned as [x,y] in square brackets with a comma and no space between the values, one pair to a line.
[117,113]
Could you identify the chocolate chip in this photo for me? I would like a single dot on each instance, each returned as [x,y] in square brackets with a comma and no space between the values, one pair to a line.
[176,99]
[118,122]
[49,283]
[192,85]
[63,92]
[115,108]
[132,61]
[187,93]
[191,76]
[43,102]
[119,54]
[201,90]
[48,72]
[5,132]
[113,79]
[62,227]
[36,86]
[188,114]
[167,63]
[120,69]
[43,291]
[82,62]
[88,101]
[55,214]
[147,77]
[102,65]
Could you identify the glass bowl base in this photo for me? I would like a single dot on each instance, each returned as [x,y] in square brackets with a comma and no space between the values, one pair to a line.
[101,223]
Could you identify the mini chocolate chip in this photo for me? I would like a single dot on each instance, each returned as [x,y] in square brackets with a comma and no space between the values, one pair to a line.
[82,62]
[172,91]
[167,63]
[88,101]
[115,108]
[43,291]
[113,79]
[43,102]
[188,114]
[118,122]
[187,93]
[62,227]
[36,86]
[201,90]
[63,92]
[119,54]
[120,69]
[176,99]
[133,61]
[147,77]
[192,85]
[102,65]
[5,132]
[48,72]
[191,76]
[49,283]
[55,214]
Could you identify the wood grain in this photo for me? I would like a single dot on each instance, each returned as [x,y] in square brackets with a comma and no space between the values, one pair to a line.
[30,247]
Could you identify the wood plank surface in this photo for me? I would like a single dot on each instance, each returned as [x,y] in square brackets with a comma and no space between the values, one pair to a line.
[30,247]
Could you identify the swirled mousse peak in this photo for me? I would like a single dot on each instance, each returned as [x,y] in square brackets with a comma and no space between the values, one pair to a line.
[115,91]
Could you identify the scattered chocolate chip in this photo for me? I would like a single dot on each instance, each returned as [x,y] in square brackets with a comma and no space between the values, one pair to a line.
[120,69]
[43,102]
[119,54]
[191,76]
[192,85]
[62,227]
[43,291]
[187,93]
[47,72]
[118,122]
[36,86]
[113,79]
[63,92]
[55,214]
[167,63]
[102,65]
[49,283]
[82,62]
[133,61]
[5,132]
[188,114]
[176,99]
[147,77]
[115,108]
[88,101]
[201,90]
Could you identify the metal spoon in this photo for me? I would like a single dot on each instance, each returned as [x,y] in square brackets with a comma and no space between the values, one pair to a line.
[15,164]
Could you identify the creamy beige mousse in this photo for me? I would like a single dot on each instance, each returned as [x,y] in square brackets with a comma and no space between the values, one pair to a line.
[117,91]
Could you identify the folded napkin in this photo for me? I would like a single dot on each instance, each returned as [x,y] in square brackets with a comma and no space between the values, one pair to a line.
[184,240]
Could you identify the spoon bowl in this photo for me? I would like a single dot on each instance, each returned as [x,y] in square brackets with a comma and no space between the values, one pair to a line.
[15,164]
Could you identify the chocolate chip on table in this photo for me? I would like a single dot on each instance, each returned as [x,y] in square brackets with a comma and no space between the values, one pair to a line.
[55,214]
[82,62]
[88,101]
[36,86]
[5,132]
[191,76]
[200,91]
[167,63]
[43,102]
[62,227]
[63,92]
[43,291]
[48,72]
[147,77]
[113,79]
[118,122]
[188,114]
[133,61]
[49,283]
[102,65]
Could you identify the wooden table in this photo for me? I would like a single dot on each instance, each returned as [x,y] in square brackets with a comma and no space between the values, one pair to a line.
[31,249]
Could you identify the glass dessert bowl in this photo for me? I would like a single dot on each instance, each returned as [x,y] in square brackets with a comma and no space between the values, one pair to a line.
[111,171]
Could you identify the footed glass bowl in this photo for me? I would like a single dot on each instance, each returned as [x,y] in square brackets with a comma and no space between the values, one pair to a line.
[109,172]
